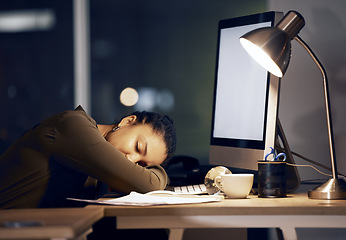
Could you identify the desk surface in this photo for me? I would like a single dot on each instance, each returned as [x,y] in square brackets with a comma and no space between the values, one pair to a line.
[64,223]
[293,204]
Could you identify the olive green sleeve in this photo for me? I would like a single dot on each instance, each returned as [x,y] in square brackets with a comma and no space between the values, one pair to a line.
[79,145]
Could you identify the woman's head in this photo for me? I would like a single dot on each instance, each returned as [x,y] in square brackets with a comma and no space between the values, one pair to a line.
[162,125]
[145,137]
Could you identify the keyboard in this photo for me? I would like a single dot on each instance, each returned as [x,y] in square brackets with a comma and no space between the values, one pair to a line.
[190,189]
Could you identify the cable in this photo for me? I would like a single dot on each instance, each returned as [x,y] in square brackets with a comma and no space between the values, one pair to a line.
[316,163]
[298,165]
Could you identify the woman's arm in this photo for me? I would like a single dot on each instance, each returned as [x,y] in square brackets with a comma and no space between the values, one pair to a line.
[79,145]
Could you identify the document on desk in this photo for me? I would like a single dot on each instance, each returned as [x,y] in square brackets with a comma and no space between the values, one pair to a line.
[154,198]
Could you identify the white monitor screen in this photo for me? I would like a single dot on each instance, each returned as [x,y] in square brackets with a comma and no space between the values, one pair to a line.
[241,89]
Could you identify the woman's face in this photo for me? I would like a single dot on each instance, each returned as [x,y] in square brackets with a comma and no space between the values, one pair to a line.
[139,143]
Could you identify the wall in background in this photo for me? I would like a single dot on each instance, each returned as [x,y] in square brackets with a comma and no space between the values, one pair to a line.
[302,110]
[36,64]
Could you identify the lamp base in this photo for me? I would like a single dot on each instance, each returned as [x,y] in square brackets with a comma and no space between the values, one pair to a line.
[332,189]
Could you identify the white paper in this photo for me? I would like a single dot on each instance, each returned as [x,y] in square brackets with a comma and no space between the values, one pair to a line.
[138,199]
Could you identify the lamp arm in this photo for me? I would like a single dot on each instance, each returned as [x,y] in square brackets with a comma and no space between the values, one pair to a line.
[327,105]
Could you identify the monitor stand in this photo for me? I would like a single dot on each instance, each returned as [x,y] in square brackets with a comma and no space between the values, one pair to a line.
[292,174]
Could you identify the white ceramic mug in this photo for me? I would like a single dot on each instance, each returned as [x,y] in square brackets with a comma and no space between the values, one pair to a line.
[236,185]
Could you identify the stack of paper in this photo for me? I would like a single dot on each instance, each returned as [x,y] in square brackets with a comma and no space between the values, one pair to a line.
[154,198]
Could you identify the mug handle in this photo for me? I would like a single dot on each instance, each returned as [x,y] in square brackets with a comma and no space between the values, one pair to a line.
[217,182]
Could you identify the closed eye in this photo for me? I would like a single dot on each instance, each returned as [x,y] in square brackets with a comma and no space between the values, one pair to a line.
[137,147]
[141,147]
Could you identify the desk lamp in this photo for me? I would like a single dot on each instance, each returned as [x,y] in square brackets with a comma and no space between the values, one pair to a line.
[271,47]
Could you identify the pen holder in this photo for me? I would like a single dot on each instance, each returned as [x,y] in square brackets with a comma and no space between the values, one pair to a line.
[271,179]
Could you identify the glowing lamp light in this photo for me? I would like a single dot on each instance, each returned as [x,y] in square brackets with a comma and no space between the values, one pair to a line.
[261,57]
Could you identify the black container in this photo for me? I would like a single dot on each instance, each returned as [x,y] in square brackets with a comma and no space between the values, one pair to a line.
[271,179]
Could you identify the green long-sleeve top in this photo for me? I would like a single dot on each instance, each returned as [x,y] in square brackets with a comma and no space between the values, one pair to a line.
[53,160]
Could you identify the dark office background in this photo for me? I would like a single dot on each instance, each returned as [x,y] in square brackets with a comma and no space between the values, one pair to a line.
[36,69]
[166,48]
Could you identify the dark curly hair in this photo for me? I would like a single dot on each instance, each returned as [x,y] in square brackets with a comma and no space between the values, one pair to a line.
[161,124]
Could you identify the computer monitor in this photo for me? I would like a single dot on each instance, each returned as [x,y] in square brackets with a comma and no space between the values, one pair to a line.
[245,106]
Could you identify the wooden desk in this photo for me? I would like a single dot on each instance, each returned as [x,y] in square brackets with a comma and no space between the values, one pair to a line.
[294,211]
[64,223]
